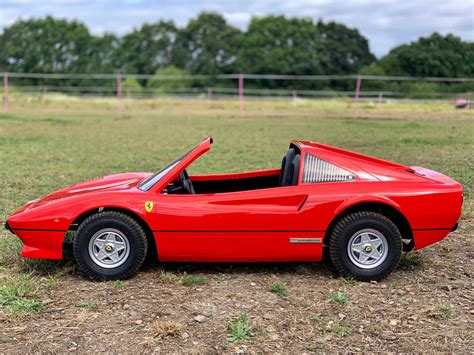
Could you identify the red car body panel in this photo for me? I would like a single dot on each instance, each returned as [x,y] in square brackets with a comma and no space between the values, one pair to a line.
[268,224]
[41,244]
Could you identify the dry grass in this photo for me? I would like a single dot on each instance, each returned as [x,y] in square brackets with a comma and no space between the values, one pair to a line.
[335,108]
[164,329]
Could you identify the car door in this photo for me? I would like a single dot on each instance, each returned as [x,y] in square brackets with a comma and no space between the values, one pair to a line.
[255,225]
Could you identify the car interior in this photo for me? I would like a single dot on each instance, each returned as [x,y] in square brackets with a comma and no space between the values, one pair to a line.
[287,176]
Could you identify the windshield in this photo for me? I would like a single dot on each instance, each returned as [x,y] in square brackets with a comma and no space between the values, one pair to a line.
[146,184]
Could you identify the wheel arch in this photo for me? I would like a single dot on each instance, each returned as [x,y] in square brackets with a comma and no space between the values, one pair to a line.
[397,217]
[152,248]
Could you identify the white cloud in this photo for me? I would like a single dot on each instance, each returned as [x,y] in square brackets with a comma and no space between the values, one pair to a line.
[238,19]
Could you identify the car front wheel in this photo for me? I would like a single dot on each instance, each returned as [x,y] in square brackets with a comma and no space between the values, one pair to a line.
[109,246]
[365,246]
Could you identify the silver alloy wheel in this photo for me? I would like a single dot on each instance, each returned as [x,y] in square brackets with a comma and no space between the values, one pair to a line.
[367,248]
[109,248]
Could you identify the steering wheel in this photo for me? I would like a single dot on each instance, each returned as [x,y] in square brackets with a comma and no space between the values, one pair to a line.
[186,182]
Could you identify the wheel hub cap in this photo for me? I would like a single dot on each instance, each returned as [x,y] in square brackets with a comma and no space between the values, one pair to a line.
[367,248]
[109,248]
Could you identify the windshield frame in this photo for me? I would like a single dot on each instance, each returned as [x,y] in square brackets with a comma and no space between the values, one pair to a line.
[147,183]
[153,180]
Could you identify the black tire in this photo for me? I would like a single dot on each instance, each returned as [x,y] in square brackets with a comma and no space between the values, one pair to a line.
[127,228]
[348,227]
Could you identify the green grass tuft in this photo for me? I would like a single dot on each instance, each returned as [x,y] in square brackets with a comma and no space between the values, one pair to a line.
[278,288]
[339,297]
[446,310]
[409,259]
[89,306]
[240,330]
[169,277]
[17,293]
[349,281]
[23,305]
[191,280]
[220,277]
[51,281]
[118,284]
[341,329]
[440,311]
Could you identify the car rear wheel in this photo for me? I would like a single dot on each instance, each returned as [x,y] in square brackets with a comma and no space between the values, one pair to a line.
[365,246]
[109,246]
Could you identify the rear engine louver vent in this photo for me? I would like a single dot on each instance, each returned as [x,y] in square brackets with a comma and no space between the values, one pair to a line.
[318,170]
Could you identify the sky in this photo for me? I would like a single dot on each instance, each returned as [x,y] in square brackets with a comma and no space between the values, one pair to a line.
[386,23]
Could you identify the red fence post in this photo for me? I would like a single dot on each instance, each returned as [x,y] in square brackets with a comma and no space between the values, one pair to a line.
[5,92]
[119,96]
[45,91]
[209,94]
[241,94]
[356,97]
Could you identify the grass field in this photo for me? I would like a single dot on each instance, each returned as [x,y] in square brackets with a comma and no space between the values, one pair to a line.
[50,144]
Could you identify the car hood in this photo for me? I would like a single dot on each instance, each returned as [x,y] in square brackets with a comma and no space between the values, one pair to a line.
[116,182]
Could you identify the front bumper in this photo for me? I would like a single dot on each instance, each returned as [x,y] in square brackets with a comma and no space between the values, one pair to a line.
[40,244]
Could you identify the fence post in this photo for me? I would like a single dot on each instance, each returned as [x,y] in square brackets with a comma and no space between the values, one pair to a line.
[209,94]
[45,91]
[241,94]
[5,92]
[295,95]
[119,96]
[356,97]
[380,97]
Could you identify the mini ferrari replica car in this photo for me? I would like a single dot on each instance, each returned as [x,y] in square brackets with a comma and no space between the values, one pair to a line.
[358,211]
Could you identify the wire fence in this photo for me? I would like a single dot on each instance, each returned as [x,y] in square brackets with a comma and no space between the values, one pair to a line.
[239,87]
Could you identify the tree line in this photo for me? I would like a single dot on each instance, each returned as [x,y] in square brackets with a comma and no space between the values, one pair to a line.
[209,45]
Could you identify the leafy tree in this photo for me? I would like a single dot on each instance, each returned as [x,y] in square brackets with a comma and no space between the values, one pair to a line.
[148,48]
[298,46]
[207,45]
[51,45]
[103,58]
[45,45]
[432,56]
[103,54]
[436,55]
[276,45]
[131,87]
[162,86]
[346,50]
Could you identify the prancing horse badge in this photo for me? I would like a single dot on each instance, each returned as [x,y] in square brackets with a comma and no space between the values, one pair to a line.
[148,206]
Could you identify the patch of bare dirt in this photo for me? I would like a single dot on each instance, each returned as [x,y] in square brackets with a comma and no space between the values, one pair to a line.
[427,307]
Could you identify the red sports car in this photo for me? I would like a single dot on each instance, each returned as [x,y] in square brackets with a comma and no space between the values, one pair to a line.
[361,212]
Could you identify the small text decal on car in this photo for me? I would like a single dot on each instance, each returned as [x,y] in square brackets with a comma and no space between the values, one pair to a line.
[148,206]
